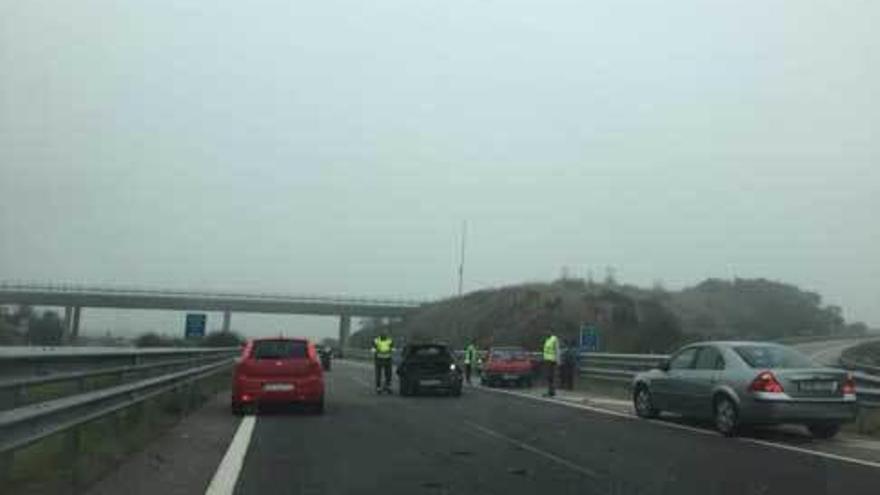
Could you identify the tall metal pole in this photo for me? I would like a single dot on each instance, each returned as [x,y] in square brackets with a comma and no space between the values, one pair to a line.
[461,265]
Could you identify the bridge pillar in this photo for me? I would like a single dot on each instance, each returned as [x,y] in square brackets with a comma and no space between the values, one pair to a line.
[344,328]
[226,317]
[68,322]
[74,330]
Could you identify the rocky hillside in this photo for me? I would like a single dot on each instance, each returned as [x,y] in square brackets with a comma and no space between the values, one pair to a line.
[629,318]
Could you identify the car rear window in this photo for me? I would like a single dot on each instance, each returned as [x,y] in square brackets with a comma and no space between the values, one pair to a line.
[279,349]
[773,356]
[427,352]
[510,354]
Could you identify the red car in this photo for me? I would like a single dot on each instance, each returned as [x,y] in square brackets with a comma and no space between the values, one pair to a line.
[507,365]
[278,371]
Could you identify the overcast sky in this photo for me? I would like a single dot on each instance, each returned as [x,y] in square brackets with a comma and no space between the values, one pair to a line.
[336,146]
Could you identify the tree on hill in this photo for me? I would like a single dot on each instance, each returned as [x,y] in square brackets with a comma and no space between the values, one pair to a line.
[754,308]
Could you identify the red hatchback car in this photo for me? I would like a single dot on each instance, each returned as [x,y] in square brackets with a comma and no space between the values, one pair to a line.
[278,371]
[507,365]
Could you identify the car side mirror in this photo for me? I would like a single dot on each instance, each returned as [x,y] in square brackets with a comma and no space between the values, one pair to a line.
[663,365]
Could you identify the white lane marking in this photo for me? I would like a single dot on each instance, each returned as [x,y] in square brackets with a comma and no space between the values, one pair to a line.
[535,450]
[360,381]
[555,401]
[227,473]
[818,453]
[702,431]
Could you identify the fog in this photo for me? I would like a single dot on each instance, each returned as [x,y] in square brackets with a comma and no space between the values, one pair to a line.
[335,147]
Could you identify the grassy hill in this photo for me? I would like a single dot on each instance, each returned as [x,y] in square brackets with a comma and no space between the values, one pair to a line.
[630,319]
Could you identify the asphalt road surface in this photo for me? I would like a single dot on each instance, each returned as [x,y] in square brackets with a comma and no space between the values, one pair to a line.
[827,352]
[494,442]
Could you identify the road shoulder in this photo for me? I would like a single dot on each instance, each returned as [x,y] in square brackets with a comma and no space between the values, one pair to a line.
[182,460]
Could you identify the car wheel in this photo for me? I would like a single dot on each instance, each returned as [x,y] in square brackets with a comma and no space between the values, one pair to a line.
[318,407]
[404,388]
[528,383]
[643,403]
[237,409]
[726,416]
[824,430]
[456,392]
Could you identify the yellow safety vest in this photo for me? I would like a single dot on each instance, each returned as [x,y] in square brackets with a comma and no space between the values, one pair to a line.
[382,347]
[470,355]
[550,346]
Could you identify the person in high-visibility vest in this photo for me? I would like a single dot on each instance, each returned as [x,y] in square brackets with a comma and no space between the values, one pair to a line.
[470,359]
[551,359]
[383,348]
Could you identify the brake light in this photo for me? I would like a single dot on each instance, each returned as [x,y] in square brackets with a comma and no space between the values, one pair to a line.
[849,385]
[766,382]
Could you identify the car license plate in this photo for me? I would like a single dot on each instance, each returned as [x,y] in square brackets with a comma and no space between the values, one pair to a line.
[430,382]
[278,387]
[818,386]
[511,377]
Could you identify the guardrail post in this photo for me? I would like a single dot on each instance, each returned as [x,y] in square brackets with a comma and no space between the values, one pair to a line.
[19,395]
[8,398]
[6,460]
[73,452]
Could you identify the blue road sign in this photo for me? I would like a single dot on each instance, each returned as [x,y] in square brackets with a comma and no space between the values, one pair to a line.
[589,338]
[195,325]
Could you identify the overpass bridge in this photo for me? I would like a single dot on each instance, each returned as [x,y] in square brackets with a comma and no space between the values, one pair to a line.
[75,297]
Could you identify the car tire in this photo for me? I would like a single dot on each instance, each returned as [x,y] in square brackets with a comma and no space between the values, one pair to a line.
[456,392]
[318,407]
[236,408]
[643,403]
[726,416]
[404,388]
[824,430]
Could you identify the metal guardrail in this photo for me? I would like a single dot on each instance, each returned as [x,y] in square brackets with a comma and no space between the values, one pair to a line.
[867,381]
[23,425]
[172,293]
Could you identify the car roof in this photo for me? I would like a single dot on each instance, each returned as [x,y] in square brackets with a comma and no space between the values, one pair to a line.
[275,339]
[507,348]
[734,343]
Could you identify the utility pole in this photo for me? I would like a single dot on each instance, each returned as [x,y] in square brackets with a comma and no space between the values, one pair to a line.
[461,265]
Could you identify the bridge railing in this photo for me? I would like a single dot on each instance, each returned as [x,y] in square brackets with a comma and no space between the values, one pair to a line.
[46,392]
[74,289]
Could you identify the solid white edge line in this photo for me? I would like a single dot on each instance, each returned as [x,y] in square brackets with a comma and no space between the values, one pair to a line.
[535,450]
[757,441]
[818,453]
[223,482]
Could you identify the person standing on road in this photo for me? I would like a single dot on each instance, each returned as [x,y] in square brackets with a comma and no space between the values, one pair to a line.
[551,359]
[383,348]
[568,368]
[470,359]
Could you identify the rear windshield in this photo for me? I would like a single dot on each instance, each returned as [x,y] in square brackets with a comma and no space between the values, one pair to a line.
[773,356]
[509,354]
[279,349]
[428,352]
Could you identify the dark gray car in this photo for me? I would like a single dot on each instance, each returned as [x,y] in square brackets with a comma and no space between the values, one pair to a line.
[755,383]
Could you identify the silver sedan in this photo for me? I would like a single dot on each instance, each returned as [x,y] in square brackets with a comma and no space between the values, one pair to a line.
[747,383]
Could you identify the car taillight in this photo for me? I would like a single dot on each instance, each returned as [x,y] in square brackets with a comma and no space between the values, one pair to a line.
[849,385]
[766,382]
